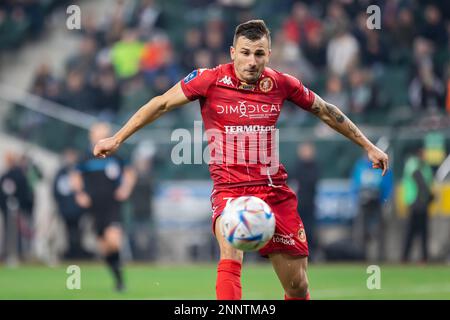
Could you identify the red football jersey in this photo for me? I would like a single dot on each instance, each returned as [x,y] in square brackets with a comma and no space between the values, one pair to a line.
[240,122]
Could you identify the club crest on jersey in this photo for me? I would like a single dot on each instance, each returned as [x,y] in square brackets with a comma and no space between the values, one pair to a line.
[266,84]
[191,76]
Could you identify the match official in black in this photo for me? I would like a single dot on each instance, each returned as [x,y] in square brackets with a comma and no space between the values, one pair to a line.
[101,186]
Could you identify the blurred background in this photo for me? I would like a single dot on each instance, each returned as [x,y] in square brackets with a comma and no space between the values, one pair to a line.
[393,82]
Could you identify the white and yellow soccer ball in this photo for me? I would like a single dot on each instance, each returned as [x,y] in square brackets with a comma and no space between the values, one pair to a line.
[247,223]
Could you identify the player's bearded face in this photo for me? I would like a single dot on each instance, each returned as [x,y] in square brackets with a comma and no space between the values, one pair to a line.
[250,58]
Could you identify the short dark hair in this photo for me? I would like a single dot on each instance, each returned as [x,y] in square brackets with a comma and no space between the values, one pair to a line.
[252,30]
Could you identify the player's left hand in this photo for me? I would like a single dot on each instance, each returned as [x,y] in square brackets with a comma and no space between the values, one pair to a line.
[380,160]
[122,193]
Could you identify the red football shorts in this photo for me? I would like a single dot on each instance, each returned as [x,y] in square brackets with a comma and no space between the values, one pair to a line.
[289,234]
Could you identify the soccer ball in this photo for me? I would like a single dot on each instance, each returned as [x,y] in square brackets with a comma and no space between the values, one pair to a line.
[247,223]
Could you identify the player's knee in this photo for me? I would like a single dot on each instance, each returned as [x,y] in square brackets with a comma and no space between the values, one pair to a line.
[113,238]
[228,252]
[298,287]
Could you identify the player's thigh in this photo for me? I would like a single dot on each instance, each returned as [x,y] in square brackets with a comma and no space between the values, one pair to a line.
[291,270]
[227,251]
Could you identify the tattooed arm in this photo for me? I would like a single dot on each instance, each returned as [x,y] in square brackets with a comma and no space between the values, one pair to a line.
[337,120]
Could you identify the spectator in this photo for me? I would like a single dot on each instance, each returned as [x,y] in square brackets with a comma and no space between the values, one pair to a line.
[373,51]
[417,184]
[126,55]
[42,77]
[300,24]
[149,17]
[314,48]
[158,65]
[203,58]
[423,51]
[342,51]
[107,95]
[434,29]
[53,91]
[84,59]
[426,90]
[192,43]
[92,30]
[215,43]
[372,191]
[307,175]
[34,14]
[335,17]
[361,94]
[69,210]
[16,205]
[289,58]
[404,32]
[336,94]
[76,93]
[32,171]
[143,232]
[45,86]
[13,26]
[155,52]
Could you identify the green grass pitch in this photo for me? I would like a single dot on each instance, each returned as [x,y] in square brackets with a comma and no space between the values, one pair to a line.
[197,281]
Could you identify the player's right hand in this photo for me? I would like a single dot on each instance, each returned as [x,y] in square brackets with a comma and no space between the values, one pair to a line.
[106,147]
[83,199]
[380,160]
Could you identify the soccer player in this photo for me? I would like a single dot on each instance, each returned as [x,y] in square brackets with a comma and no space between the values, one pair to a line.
[101,185]
[247,96]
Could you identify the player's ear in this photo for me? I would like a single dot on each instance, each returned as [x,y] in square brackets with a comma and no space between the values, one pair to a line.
[232,53]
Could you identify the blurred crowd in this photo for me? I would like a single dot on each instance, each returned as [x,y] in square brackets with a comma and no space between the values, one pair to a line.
[17,203]
[23,19]
[132,55]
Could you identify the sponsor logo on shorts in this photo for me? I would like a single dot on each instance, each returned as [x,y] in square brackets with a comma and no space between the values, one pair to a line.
[301,234]
[284,239]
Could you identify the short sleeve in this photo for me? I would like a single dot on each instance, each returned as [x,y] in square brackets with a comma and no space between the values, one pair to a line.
[298,93]
[80,167]
[196,84]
